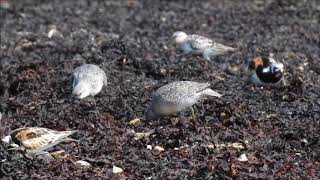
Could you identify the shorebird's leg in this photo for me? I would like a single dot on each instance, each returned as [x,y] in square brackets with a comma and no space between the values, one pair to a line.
[268,90]
[182,118]
[26,155]
[95,110]
[40,153]
[207,54]
[284,83]
[193,114]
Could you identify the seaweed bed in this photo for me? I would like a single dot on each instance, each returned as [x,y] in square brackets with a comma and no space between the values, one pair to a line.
[277,128]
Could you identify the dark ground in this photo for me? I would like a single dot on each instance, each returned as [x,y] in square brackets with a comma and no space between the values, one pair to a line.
[278,128]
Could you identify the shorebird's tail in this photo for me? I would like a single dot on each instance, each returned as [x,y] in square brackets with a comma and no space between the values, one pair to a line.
[210,92]
[222,48]
[217,49]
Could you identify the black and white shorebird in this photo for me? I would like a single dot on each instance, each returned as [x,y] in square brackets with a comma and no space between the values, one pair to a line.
[199,45]
[176,97]
[266,70]
[88,80]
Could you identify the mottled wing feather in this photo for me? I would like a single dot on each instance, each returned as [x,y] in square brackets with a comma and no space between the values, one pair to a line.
[181,90]
[63,134]
[199,42]
[202,86]
[23,136]
[222,47]
[34,138]
[36,143]
[92,74]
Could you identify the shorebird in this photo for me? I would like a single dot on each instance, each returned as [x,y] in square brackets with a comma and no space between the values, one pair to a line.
[176,97]
[88,80]
[35,140]
[266,70]
[196,44]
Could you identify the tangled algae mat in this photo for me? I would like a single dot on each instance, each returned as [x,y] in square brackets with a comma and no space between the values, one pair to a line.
[277,129]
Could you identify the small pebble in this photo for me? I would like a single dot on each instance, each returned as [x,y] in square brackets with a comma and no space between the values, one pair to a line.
[298,154]
[223,114]
[54,32]
[163,71]
[135,121]
[220,146]
[116,170]
[243,158]
[232,69]
[46,157]
[83,163]
[6,139]
[149,147]
[159,148]
[237,145]
[304,140]
[138,136]
[61,154]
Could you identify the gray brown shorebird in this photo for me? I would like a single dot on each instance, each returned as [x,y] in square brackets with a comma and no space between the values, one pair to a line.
[176,97]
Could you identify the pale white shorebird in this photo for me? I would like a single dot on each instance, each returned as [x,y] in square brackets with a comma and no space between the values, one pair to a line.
[88,80]
[35,140]
[176,97]
[196,44]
